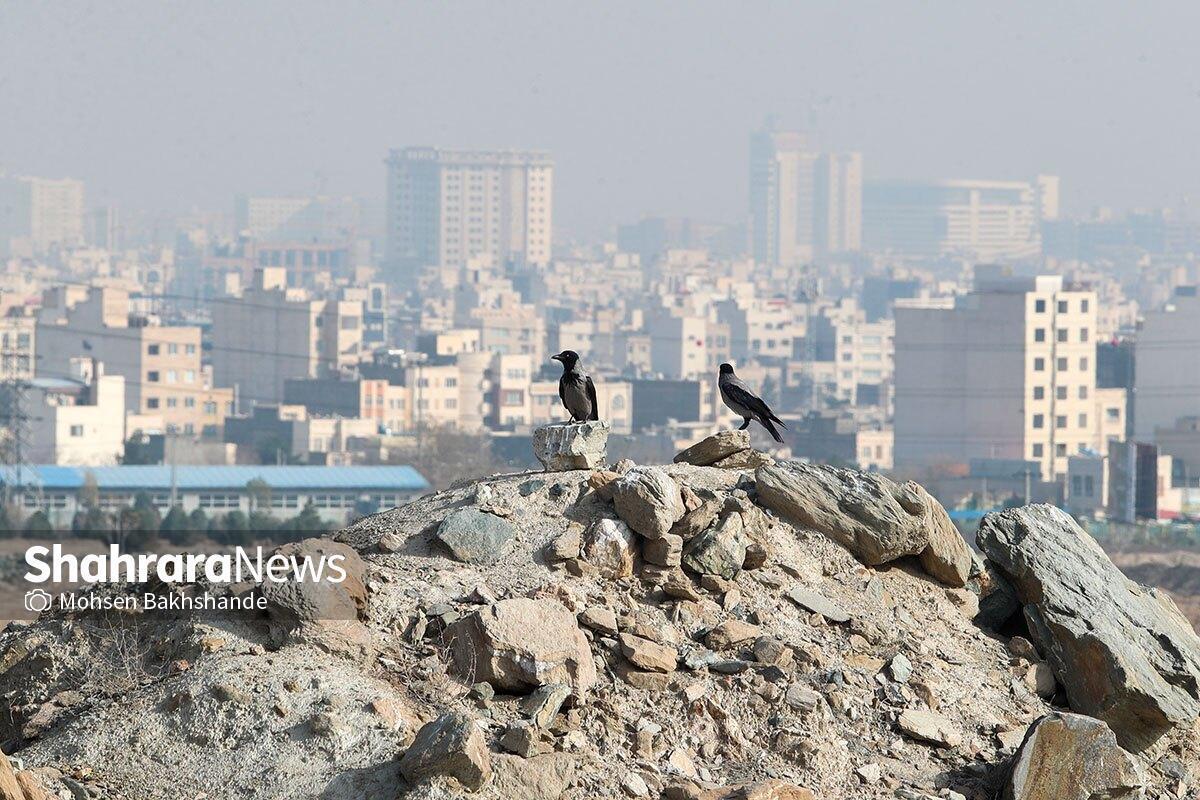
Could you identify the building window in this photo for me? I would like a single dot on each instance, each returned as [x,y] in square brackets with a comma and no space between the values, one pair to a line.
[1038,450]
[1061,393]
[1039,392]
[1083,334]
[152,376]
[151,402]
[152,350]
[1039,306]
[1083,393]
[1062,306]
[1039,365]
[1083,364]
[1062,334]
[1039,334]
[1062,365]
[1083,420]
[1083,306]
[77,430]
[1060,421]
[1060,450]
[1039,421]
[1112,413]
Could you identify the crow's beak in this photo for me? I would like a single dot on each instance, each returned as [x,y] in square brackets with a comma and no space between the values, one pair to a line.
[556,358]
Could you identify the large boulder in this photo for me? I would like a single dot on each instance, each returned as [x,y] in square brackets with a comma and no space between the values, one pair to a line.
[649,501]
[450,746]
[1072,757]
[565,446]
[1123,653]
[475,536]
[712,449]
[720,550]
[873,517]
[947,557]
[339,594]
[522,643]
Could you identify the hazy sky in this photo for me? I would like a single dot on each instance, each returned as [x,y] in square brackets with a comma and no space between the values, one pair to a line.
[645,106]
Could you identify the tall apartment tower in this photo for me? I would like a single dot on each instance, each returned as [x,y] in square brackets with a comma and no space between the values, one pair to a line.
[802,203]
[445,207]
[1005,372]
[37,214]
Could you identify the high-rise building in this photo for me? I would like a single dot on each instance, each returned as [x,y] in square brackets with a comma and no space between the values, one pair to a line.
[307,219]
[37,214]
[1005,372]
[446,207]
[968,218]
[802,203]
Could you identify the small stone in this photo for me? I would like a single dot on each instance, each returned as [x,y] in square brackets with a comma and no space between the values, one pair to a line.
[818,604]
[542,705]
[1021,647]
[634,785]
[801,698]
[609,546]
[869,773]
[599,619]
[390,542]
[714,448]
[928,726]
[452,746]
[769,650]
[476,537]
[521,739]
[900,668]
[731,633]
[665,552]
[566,446]
[648,655]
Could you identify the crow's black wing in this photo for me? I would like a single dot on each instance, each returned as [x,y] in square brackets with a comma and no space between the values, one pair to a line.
[739,394]
[562,390]
[591,394]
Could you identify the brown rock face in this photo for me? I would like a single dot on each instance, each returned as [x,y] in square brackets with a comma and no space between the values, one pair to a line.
[522,643]
[1123,653]
[452,746]
[713,448]
[1072,757]
[648,500]
[871,516]
[295,602]
[948,556]
[647,655]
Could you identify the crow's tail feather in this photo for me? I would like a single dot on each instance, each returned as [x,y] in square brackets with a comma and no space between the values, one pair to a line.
[766,423]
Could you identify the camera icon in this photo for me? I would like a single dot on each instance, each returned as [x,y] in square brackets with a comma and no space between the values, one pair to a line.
[38,600]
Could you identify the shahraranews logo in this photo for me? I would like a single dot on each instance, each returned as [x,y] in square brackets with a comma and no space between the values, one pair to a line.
[52,564]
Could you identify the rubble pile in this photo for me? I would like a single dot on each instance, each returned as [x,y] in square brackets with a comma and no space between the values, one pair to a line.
[725,627]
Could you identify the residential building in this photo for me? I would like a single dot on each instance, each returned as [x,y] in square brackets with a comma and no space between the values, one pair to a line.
[39,214]
[1167,358]
[17,349]
[976,219]
[802,203]
[272,333]
[75,420]
[446,207]
[305,219]
[1007,371]
[162,365]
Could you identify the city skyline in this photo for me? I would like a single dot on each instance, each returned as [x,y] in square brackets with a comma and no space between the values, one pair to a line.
[172,121]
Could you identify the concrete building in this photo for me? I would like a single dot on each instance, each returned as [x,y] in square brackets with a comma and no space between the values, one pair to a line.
[38,214]
[161,364]
[1005,372]
[17,349]
[306,219]
[76,420]
[967,218]
[802,203]
[445,207]
[272,333]
[1167,358]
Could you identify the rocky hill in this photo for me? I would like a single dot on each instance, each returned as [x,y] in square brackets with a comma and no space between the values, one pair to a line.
[723,627]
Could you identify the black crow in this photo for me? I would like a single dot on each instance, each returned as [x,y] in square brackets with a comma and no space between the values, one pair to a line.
[745,403]
[575,389]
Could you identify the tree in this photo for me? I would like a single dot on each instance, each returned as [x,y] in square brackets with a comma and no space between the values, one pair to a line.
[138,450]
[38,524]
[89,492]
[447,455]
[235,522]
[7,522]
[307,521]
[147,512]
[197,521]
[92,523]
[259,492]
[174,523]
[262,522]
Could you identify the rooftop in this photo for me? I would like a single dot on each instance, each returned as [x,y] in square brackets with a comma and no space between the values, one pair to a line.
[185,478]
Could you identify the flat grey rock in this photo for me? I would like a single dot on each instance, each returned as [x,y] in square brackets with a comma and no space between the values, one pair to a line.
[818,604]
[475,536]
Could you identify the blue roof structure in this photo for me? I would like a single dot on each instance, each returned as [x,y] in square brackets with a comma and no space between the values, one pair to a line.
[200,478]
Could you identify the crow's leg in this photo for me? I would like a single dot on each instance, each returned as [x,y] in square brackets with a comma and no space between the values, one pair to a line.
[745,423]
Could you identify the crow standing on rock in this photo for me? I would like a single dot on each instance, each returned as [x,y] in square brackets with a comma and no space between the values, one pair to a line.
[745,403]
[575,388]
